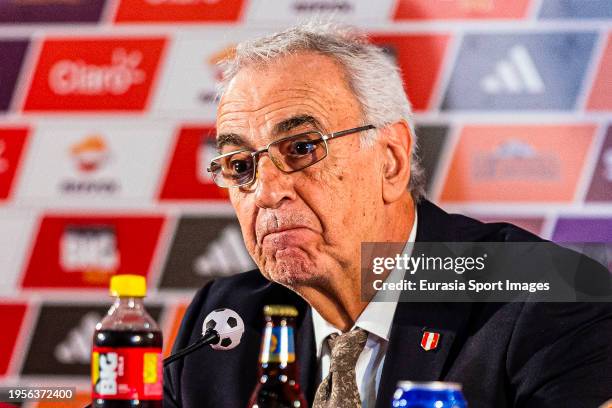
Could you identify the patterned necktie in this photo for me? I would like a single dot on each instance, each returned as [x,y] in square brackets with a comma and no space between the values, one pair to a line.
[339,388]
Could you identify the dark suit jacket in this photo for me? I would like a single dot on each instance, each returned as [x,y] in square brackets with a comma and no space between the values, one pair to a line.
[504,354]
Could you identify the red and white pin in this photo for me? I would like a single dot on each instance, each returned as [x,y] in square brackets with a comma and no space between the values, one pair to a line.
[430,340]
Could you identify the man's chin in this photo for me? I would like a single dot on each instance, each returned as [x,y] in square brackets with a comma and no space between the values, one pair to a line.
[292,273]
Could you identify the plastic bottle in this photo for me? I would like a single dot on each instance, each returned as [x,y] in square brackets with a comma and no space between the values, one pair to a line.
[126,362]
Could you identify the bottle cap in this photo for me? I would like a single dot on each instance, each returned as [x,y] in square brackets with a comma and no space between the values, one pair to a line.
[280,310]
[128,285]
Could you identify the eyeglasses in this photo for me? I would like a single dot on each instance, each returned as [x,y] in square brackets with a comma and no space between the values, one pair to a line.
[289,154]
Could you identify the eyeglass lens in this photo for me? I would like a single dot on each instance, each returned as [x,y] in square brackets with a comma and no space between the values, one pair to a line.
[288,155]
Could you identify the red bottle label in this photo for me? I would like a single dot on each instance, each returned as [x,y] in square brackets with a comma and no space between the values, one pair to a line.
[126,373]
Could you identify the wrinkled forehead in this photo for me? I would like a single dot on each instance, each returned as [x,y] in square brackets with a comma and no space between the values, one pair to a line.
[303,91]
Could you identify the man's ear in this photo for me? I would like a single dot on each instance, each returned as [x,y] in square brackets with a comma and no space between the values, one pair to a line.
[396,143]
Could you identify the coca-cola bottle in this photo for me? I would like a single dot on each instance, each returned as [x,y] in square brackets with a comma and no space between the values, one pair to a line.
[126,359]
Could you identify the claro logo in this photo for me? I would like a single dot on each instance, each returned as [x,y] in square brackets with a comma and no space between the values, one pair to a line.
[77,77]
[95,74]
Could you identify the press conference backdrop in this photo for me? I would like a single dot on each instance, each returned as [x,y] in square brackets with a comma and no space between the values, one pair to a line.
[107,126]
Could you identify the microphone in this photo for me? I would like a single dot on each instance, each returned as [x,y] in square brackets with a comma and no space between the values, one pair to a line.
[222,330]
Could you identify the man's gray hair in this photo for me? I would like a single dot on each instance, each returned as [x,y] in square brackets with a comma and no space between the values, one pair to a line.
[372,76]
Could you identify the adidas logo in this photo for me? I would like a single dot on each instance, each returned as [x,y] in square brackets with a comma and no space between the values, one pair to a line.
[76,348]
[514,75]
[224,256]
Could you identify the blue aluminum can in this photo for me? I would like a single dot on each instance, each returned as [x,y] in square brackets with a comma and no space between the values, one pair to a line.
[433,394]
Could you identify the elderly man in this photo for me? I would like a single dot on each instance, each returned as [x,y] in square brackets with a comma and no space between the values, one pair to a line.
[317,148]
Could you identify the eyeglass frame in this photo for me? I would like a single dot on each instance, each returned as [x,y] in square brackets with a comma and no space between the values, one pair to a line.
[256,153]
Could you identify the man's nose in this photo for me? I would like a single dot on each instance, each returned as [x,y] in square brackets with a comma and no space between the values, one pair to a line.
[272,186]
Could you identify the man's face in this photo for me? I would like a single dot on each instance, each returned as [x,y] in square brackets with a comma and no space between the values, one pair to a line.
[303,228]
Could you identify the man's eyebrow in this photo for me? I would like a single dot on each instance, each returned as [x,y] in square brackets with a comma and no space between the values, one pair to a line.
[294,122]
[234,139]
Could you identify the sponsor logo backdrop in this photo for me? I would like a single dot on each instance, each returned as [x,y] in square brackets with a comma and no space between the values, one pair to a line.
[107,128]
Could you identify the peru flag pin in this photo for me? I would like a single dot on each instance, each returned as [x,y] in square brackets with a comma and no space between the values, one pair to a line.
[430,340]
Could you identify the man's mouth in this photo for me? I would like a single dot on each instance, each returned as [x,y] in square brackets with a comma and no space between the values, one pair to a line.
[282,230]
[285,233]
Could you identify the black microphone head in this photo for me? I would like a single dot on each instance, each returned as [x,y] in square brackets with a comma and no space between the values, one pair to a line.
[228,324]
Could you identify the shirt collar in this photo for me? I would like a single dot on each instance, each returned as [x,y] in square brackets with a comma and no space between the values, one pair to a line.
[376,318]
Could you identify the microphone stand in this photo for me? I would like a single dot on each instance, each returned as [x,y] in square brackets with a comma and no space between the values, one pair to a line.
[210,337]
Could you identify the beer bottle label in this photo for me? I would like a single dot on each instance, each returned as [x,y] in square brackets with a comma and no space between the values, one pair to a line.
[277,345]
[133,373]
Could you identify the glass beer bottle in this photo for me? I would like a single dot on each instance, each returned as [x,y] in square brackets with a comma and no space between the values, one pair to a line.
[278,385]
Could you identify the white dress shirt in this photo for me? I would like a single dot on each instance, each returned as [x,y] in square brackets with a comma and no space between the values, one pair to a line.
[376,319]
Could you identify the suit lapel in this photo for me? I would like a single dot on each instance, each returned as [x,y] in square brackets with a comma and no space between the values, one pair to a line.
[406,359]
[306,351]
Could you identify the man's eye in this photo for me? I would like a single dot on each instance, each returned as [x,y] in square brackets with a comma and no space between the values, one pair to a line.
[303,147]
[240,166]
